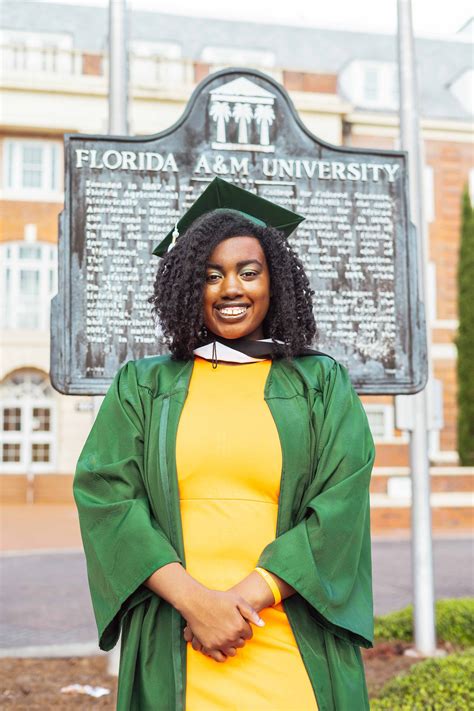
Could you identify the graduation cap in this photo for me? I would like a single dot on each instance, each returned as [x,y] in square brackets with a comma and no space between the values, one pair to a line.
[221,195]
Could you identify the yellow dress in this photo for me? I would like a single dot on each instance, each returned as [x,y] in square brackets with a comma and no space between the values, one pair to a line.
[228,458]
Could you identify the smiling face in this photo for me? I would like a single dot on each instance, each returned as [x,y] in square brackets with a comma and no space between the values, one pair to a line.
[237,289]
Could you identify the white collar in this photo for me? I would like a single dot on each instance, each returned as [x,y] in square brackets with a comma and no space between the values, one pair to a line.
[225,353]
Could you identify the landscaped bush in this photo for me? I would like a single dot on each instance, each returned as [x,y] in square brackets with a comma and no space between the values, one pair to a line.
[465,334]
[432,685]
[454,623]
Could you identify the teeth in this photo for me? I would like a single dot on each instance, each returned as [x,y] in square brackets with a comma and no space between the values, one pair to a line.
[233,311]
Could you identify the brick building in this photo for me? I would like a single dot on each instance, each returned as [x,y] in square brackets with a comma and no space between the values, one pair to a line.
[344,86]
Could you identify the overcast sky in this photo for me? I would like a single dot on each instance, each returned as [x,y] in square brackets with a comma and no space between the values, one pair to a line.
[440,18]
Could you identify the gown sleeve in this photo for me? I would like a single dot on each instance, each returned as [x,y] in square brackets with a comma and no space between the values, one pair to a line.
[122,541]
[326,556]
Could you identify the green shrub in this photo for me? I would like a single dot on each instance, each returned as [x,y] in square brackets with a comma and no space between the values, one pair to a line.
[465,334]
[432,685]
[454,623]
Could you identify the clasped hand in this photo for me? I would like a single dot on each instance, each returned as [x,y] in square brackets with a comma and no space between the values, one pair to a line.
[218,623]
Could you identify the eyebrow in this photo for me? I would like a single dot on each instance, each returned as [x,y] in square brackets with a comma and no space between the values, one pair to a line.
[211,265]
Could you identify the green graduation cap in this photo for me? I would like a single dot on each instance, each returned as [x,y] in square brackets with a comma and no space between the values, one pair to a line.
[221,195]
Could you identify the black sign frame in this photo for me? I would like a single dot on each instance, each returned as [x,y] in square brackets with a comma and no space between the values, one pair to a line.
[71,350]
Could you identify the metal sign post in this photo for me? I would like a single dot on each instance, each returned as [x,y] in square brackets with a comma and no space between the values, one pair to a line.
[422,553]
[118,68]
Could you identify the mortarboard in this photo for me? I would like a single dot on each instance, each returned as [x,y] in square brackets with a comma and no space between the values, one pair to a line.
[221,195]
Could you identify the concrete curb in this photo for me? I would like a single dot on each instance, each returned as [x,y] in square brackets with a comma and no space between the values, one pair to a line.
[396,536]
[39,551]
[403,537]
[81,649]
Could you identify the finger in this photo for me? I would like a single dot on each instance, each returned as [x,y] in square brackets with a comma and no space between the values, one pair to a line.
[196,644]
[188,635]
[215,654]
[230,651]
[246,631]
[248,613]
[240,643]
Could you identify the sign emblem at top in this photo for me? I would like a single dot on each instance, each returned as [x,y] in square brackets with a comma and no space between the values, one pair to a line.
[243,116]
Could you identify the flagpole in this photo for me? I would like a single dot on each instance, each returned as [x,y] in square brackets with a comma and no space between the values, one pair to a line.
[422,547]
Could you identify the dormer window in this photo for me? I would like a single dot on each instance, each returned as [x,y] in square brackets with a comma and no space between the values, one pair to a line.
[463,89]
[370,85]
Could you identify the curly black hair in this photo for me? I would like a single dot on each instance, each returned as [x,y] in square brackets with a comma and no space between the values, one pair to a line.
[179,285]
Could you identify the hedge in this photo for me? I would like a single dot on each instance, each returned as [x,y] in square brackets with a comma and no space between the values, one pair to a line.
[454,623]
[465,334]
[431,685]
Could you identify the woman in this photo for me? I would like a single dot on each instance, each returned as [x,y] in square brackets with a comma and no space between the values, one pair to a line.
[226,477]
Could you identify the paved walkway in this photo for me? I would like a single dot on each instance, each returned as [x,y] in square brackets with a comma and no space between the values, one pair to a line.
[44,596]
[39,526]
[392,575]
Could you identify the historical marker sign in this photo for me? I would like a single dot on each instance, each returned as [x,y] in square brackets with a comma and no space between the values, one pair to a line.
[123,194]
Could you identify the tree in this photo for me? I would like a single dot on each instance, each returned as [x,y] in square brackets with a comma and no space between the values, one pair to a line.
[264,115]
[465,335]
[243,114]
[221,113]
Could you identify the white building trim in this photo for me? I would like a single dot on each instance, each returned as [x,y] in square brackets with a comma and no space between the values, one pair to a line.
[448,499]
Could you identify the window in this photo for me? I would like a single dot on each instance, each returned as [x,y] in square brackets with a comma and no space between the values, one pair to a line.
[155,63]
[463,89]
[27,414]
[371,85]
[28,280]
[10,452]
[431,292]
[11,419]
[36,52]
[32,168]
[429,196]
[380,420]
[399,487]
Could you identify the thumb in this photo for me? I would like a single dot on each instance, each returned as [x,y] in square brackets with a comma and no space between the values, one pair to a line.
[250,614]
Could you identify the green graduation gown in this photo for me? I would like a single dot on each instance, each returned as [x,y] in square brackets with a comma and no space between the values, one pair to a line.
[126,492]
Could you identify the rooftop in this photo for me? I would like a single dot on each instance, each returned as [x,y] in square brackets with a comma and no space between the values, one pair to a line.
[439,61]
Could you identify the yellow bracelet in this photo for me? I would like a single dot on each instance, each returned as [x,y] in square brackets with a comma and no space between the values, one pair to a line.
[271,584]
